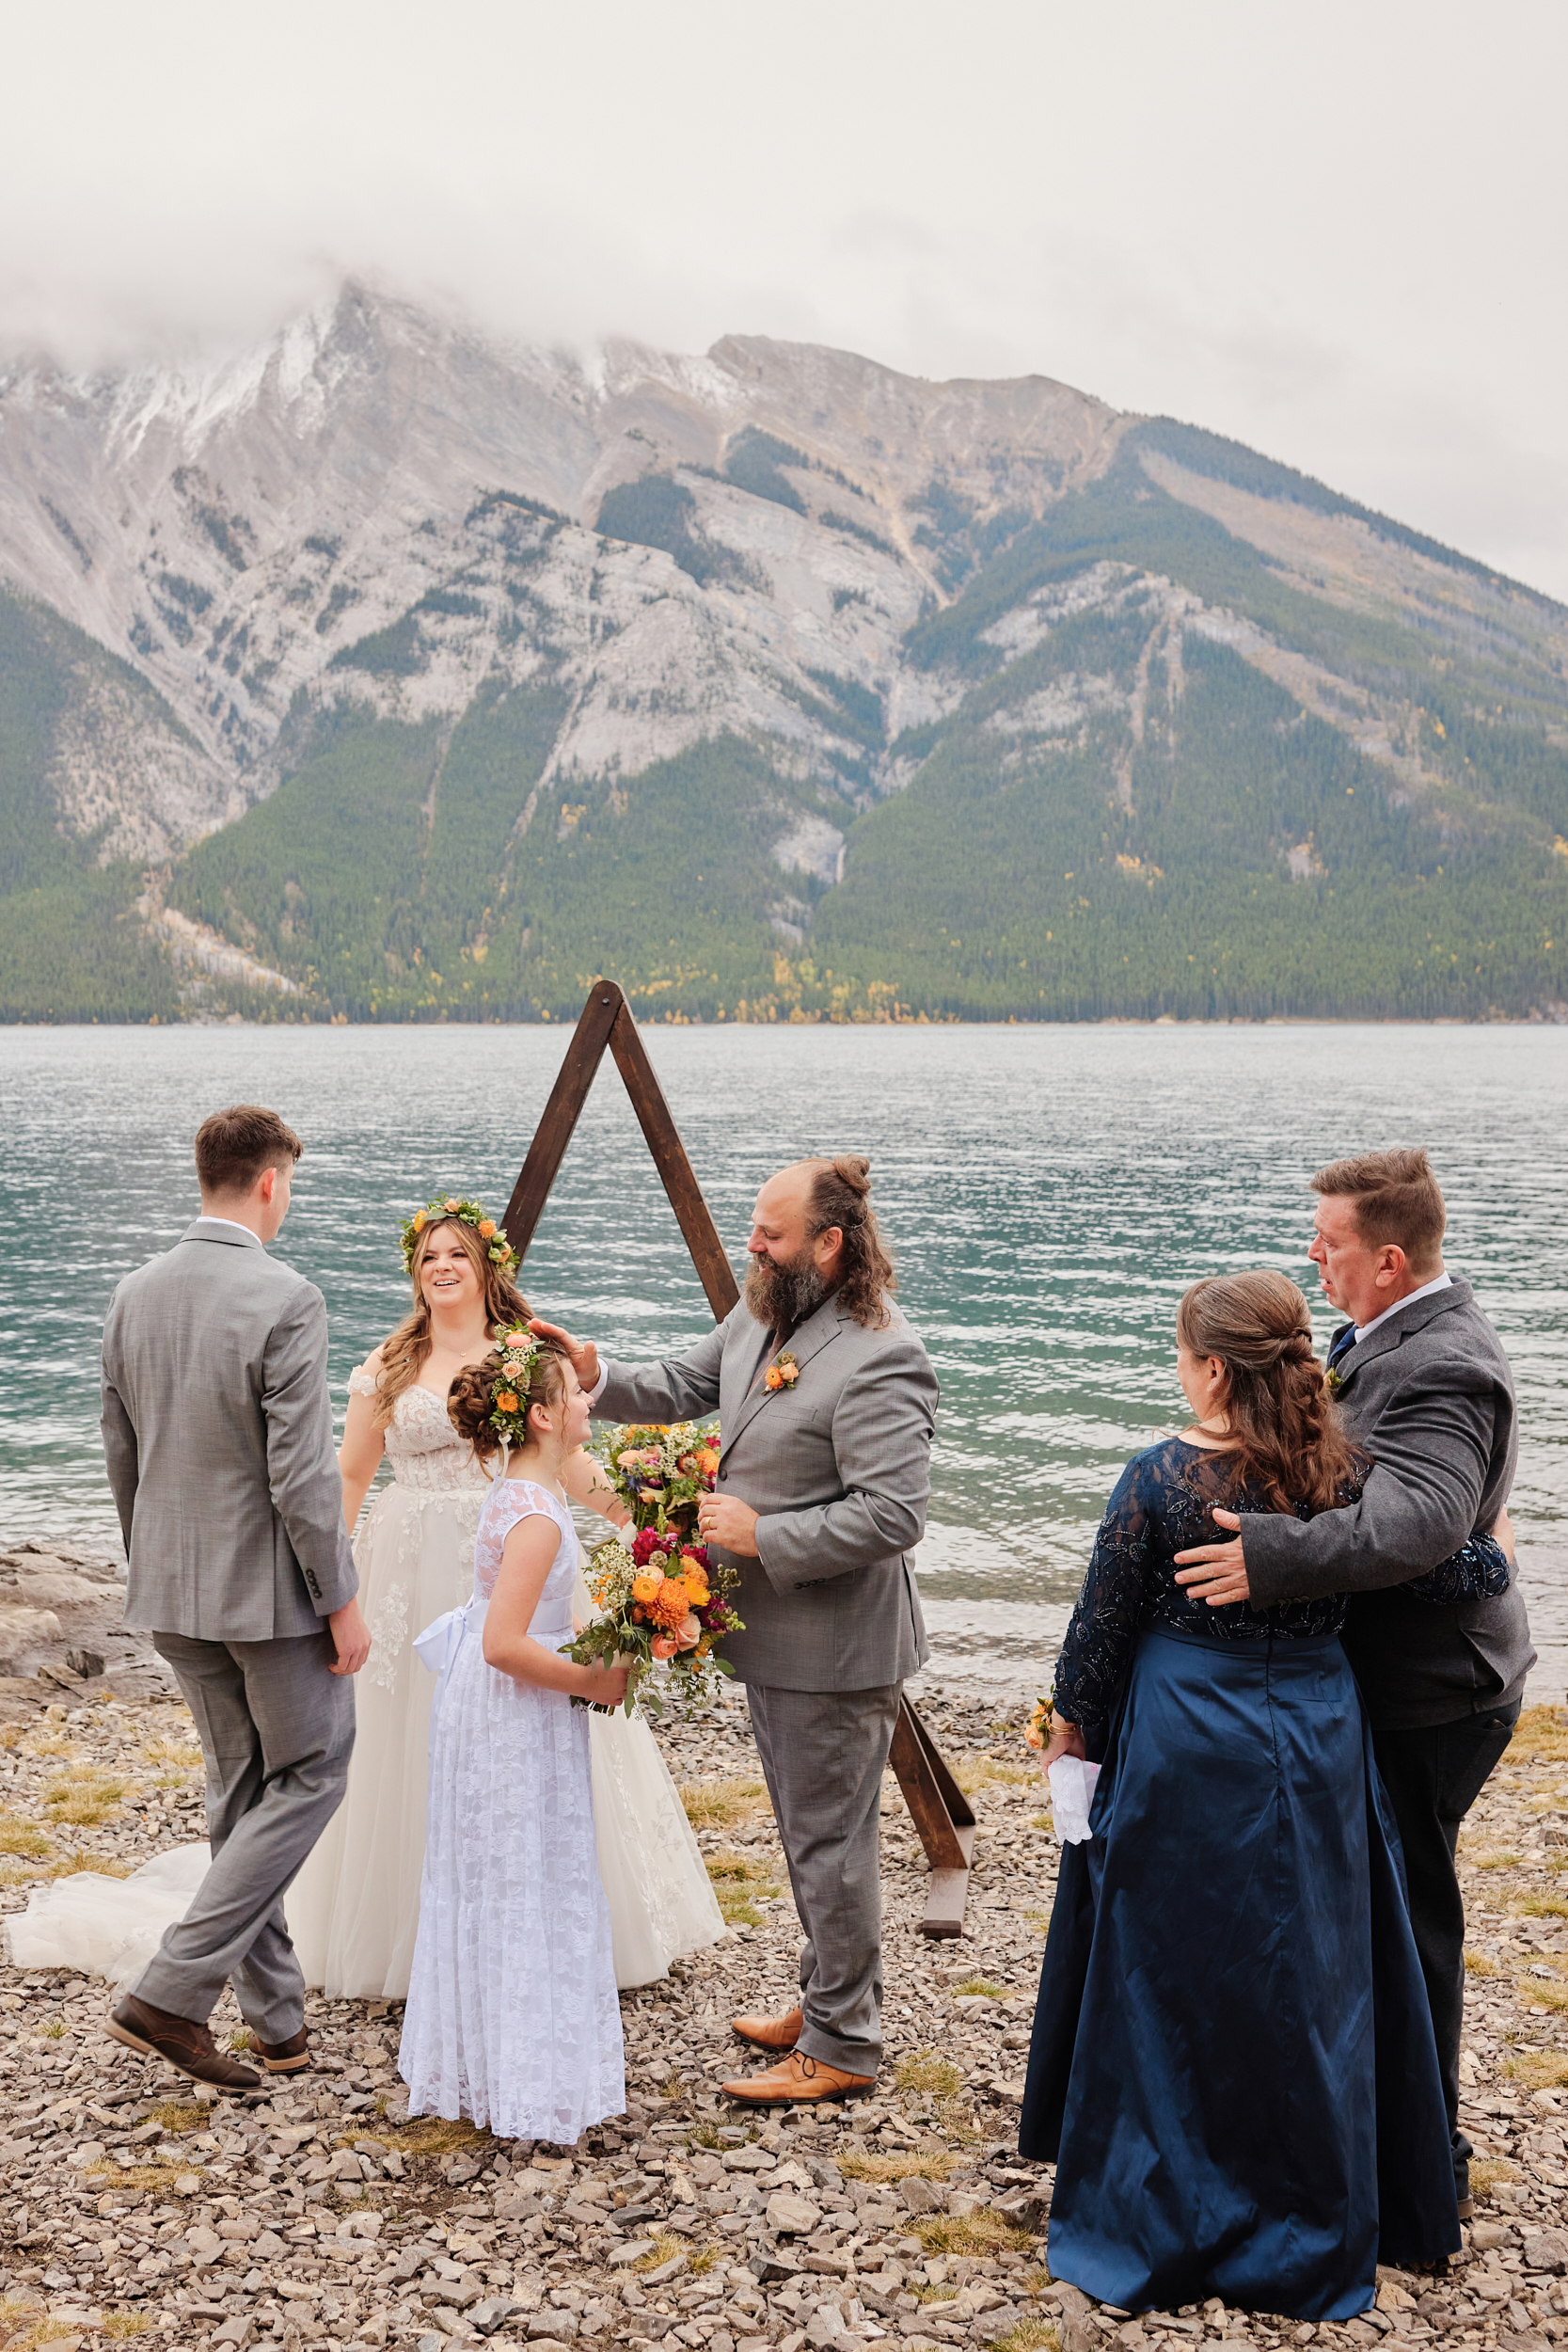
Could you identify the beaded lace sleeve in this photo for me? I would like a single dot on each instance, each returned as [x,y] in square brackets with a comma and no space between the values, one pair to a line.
[1104,1627]
[1478,1570]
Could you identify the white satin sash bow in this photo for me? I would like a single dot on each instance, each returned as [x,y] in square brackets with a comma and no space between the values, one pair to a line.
[438,1644]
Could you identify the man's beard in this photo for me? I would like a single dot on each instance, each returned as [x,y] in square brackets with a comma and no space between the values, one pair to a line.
[782,1296]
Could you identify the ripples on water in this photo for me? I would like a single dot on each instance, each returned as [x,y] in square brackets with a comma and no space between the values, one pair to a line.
[1049,1192]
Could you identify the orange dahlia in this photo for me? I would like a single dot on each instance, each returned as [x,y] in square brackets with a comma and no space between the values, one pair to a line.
[645,1587]
[670,1605]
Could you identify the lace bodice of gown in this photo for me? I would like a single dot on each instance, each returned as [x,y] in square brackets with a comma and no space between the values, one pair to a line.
[425,1451]
[514,1498]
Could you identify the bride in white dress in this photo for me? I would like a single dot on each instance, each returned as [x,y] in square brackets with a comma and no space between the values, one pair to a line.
[353,1909]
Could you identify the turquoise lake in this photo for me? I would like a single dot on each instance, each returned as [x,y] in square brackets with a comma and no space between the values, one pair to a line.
[1048,1192]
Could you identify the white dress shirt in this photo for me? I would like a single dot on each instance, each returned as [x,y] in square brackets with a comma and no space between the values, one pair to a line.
[1438,1282]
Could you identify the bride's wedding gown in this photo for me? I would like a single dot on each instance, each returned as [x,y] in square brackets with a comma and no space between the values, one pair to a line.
[354,1911]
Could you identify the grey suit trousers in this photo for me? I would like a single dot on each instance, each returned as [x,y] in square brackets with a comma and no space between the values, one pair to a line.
[823,1756]
[277,1731]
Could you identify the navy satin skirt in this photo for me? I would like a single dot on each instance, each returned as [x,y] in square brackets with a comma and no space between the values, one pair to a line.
[1233,2066]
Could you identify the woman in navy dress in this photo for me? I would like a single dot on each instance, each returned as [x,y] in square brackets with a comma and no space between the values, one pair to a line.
[1233,2065]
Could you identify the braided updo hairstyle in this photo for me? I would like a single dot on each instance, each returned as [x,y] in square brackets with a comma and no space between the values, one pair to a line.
[841,1195]
[471,1398]
[1286,1436]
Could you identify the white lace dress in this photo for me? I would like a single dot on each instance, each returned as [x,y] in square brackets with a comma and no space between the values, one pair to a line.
[513,2018]
[354,1911]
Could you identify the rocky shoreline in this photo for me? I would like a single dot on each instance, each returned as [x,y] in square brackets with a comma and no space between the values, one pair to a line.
[317,2214]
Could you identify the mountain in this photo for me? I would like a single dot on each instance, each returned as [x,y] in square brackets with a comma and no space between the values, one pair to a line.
[393,672]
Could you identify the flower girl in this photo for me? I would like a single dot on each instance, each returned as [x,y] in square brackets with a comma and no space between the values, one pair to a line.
[513,2018]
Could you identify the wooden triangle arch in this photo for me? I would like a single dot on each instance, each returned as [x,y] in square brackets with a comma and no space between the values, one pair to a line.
[936,1805]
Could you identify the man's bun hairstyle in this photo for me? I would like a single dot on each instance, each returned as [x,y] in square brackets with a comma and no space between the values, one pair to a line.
[232,1147]
[841,1195]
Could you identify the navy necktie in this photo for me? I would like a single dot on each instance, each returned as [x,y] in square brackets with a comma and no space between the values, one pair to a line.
[1343,1342]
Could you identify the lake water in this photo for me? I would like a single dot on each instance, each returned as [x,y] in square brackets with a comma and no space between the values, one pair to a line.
[1049,1192]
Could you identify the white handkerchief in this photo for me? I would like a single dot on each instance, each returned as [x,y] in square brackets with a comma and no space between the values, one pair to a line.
[1072,1794]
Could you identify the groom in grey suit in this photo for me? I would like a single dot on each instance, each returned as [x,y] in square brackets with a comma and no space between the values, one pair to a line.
[217,1432]
[827,1402]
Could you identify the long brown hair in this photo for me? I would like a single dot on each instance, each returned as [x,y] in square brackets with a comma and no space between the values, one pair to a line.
[841,1195]
[1284,1427]
[473,1394]
[402,1356]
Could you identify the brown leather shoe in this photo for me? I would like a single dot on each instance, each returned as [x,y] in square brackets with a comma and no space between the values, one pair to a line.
[186,2046]
[282,2058]
[770,2033]
[798,2077]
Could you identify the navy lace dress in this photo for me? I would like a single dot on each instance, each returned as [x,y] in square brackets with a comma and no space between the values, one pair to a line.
[1233,2065]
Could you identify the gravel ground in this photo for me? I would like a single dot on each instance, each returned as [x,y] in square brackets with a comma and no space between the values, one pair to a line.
[318,2215]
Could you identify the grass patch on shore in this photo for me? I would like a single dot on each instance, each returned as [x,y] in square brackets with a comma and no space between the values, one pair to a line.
[1539,2069]
[104,1864]
[979,2233]
[1490,2172]
[84,1801]
[144,2176]
[179,2117]
[22,1837]
[126,2323]
[984,1772]
[723,1803]
[983,1986]
[1481,1964]
[665,2246]
[1538,1994]
[1493,1858]
[1541,1733]
[1032,2334]
[739,1885]
[870,2163]
[1542,1907]
[427,2135]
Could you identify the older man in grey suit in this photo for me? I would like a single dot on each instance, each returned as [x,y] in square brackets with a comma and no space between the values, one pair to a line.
[1425,1387]
[828,1402]
[217,1430]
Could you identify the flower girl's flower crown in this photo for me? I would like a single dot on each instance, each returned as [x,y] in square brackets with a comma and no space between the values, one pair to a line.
[498,1249]
[519,1353]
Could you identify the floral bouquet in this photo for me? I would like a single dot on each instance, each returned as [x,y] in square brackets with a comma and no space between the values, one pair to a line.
[659,1604]
[661,1600]
[661,1474]
[1038,1733]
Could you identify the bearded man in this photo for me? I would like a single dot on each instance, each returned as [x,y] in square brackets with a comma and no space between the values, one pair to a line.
[827,1402]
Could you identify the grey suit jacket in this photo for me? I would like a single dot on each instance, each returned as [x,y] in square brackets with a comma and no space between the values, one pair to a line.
[217,1432]
[839,1468]
[1430,1397]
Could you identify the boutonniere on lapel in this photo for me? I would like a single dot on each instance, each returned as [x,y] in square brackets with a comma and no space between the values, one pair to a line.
[781,1373]
[1334,1381]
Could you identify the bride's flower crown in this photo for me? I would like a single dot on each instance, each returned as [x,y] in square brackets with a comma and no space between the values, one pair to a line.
[496,1247]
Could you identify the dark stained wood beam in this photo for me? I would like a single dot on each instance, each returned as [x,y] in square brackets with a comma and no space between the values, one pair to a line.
[692,1213]
[561,1113]
[943,1817]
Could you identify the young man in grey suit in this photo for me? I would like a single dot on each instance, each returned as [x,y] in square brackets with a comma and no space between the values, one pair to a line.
[218,1431]
[1426,1390]
[827,1403]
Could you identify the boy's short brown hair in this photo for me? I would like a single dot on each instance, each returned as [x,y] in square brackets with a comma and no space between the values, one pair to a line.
[1397,1200]
[232,1147]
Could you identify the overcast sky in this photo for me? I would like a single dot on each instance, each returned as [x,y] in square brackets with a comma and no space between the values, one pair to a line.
[1336,233]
